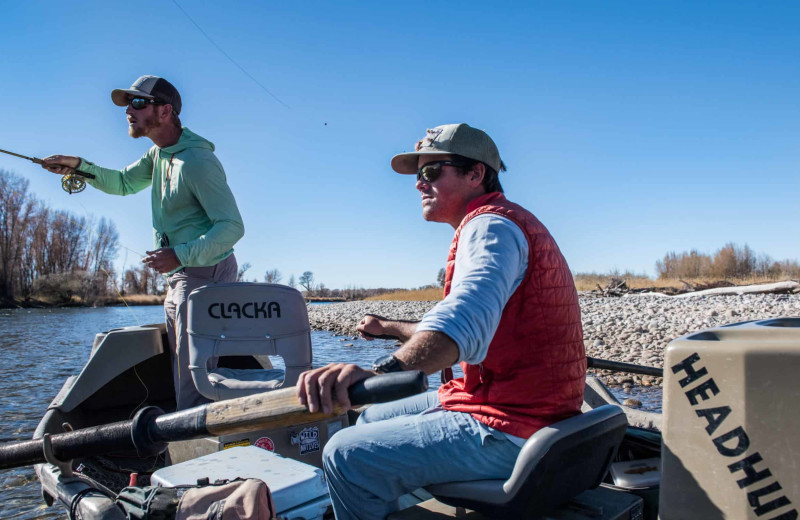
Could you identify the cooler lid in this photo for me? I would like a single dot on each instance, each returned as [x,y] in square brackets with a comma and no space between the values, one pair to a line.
[633,474]
[291,482]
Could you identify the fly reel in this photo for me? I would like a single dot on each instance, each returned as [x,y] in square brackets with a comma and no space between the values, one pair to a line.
[72,183]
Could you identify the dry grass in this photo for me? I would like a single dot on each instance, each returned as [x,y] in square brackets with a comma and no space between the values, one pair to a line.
[417,295]
[590,281]
[137,299]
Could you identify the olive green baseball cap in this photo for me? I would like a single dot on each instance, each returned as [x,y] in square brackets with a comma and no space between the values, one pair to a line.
[456,139]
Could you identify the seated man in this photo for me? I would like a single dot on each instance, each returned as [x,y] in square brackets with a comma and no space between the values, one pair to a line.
[510,316]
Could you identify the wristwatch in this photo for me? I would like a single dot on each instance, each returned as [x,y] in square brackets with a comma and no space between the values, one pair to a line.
[386,364]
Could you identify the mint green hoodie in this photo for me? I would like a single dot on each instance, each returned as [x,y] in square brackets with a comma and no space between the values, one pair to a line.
[192,203]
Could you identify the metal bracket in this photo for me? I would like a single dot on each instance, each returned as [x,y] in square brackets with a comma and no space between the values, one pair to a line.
[47,448]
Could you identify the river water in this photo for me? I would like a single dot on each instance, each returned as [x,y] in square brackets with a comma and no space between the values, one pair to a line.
[42,347]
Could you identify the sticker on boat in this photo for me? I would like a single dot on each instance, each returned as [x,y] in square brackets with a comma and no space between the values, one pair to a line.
[265,443]
[236,444]
[308,439]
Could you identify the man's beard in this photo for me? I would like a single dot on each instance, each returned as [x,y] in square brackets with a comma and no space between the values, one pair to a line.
[144,128]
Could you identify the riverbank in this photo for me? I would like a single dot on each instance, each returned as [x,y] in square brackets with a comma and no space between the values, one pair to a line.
[633,329]
[111,301]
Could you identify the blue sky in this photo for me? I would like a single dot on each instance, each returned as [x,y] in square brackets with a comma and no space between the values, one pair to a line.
[629,128]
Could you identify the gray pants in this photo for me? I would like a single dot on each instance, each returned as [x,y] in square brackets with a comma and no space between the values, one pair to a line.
[177,316]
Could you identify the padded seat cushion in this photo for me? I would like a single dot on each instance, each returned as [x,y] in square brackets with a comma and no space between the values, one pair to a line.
[247,379]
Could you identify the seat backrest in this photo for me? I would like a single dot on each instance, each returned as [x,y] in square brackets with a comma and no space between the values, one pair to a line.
[233,319]
[557,463]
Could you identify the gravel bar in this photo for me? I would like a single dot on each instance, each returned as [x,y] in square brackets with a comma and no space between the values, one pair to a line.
[633,329]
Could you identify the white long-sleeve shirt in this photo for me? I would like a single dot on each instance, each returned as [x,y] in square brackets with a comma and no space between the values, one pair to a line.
[491,263]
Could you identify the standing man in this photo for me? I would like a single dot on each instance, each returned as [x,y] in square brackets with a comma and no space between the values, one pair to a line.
[510,316]
[195,218]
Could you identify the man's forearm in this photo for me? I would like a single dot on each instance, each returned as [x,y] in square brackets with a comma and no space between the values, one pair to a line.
[404,330]
[429,351]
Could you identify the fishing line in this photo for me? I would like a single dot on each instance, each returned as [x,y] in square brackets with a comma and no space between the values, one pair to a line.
[113,280]
[121,297]
[265,89]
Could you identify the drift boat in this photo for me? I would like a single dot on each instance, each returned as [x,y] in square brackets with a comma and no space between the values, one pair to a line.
[721,449]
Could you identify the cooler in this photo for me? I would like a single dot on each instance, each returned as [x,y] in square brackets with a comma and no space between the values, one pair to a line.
[298,490]
[731,420]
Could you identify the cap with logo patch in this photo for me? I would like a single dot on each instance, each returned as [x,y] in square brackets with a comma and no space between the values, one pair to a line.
[456,139]
[149,87]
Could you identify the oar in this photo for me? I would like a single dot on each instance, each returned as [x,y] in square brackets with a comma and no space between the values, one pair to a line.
[617,366]
[602,364]
[151,429]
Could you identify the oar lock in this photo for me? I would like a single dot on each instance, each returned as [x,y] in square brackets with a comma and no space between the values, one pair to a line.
[65,466]
[140,432]
[140,437]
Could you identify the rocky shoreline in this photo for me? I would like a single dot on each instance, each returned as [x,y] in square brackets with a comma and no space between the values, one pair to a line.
[632,329]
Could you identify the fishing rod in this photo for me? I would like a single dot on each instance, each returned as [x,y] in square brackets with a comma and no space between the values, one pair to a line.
[71,182]
[151,429]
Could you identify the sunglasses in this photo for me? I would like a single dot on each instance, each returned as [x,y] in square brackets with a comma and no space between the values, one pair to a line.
[138,103]
[431,171]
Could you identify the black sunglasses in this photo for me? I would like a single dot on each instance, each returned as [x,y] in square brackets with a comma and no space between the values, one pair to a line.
[138,103]
[431,171]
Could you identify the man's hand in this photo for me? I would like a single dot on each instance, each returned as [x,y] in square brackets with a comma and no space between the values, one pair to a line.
[317,388]
[371,326]
[61,164]
[163,260]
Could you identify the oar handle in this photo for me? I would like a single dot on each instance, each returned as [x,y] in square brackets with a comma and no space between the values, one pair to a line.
[388,387]
[281,408]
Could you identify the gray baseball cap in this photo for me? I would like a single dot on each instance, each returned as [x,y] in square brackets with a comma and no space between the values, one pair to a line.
[456,139]
[149,87]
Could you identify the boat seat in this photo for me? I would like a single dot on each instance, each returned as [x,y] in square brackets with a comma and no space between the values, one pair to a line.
[555,464]
[236,319]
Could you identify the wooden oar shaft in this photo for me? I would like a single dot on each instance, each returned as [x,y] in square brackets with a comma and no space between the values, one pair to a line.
[617,366]
[270,410]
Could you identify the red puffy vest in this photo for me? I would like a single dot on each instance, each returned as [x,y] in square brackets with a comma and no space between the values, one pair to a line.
[534,372]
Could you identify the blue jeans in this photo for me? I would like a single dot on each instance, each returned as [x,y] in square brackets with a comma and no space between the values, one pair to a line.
[397,447]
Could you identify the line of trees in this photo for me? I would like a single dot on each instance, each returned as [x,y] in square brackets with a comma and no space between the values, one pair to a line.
[730,261]
[307,284]
[51,253]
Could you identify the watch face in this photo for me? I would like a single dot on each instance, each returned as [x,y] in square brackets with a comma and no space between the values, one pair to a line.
[386,364]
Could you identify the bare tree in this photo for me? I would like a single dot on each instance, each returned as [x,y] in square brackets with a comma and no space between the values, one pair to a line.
[307,281]
[37,243]
[16,211]
[291,282]
[243,269]
[440,277]
[273,276]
